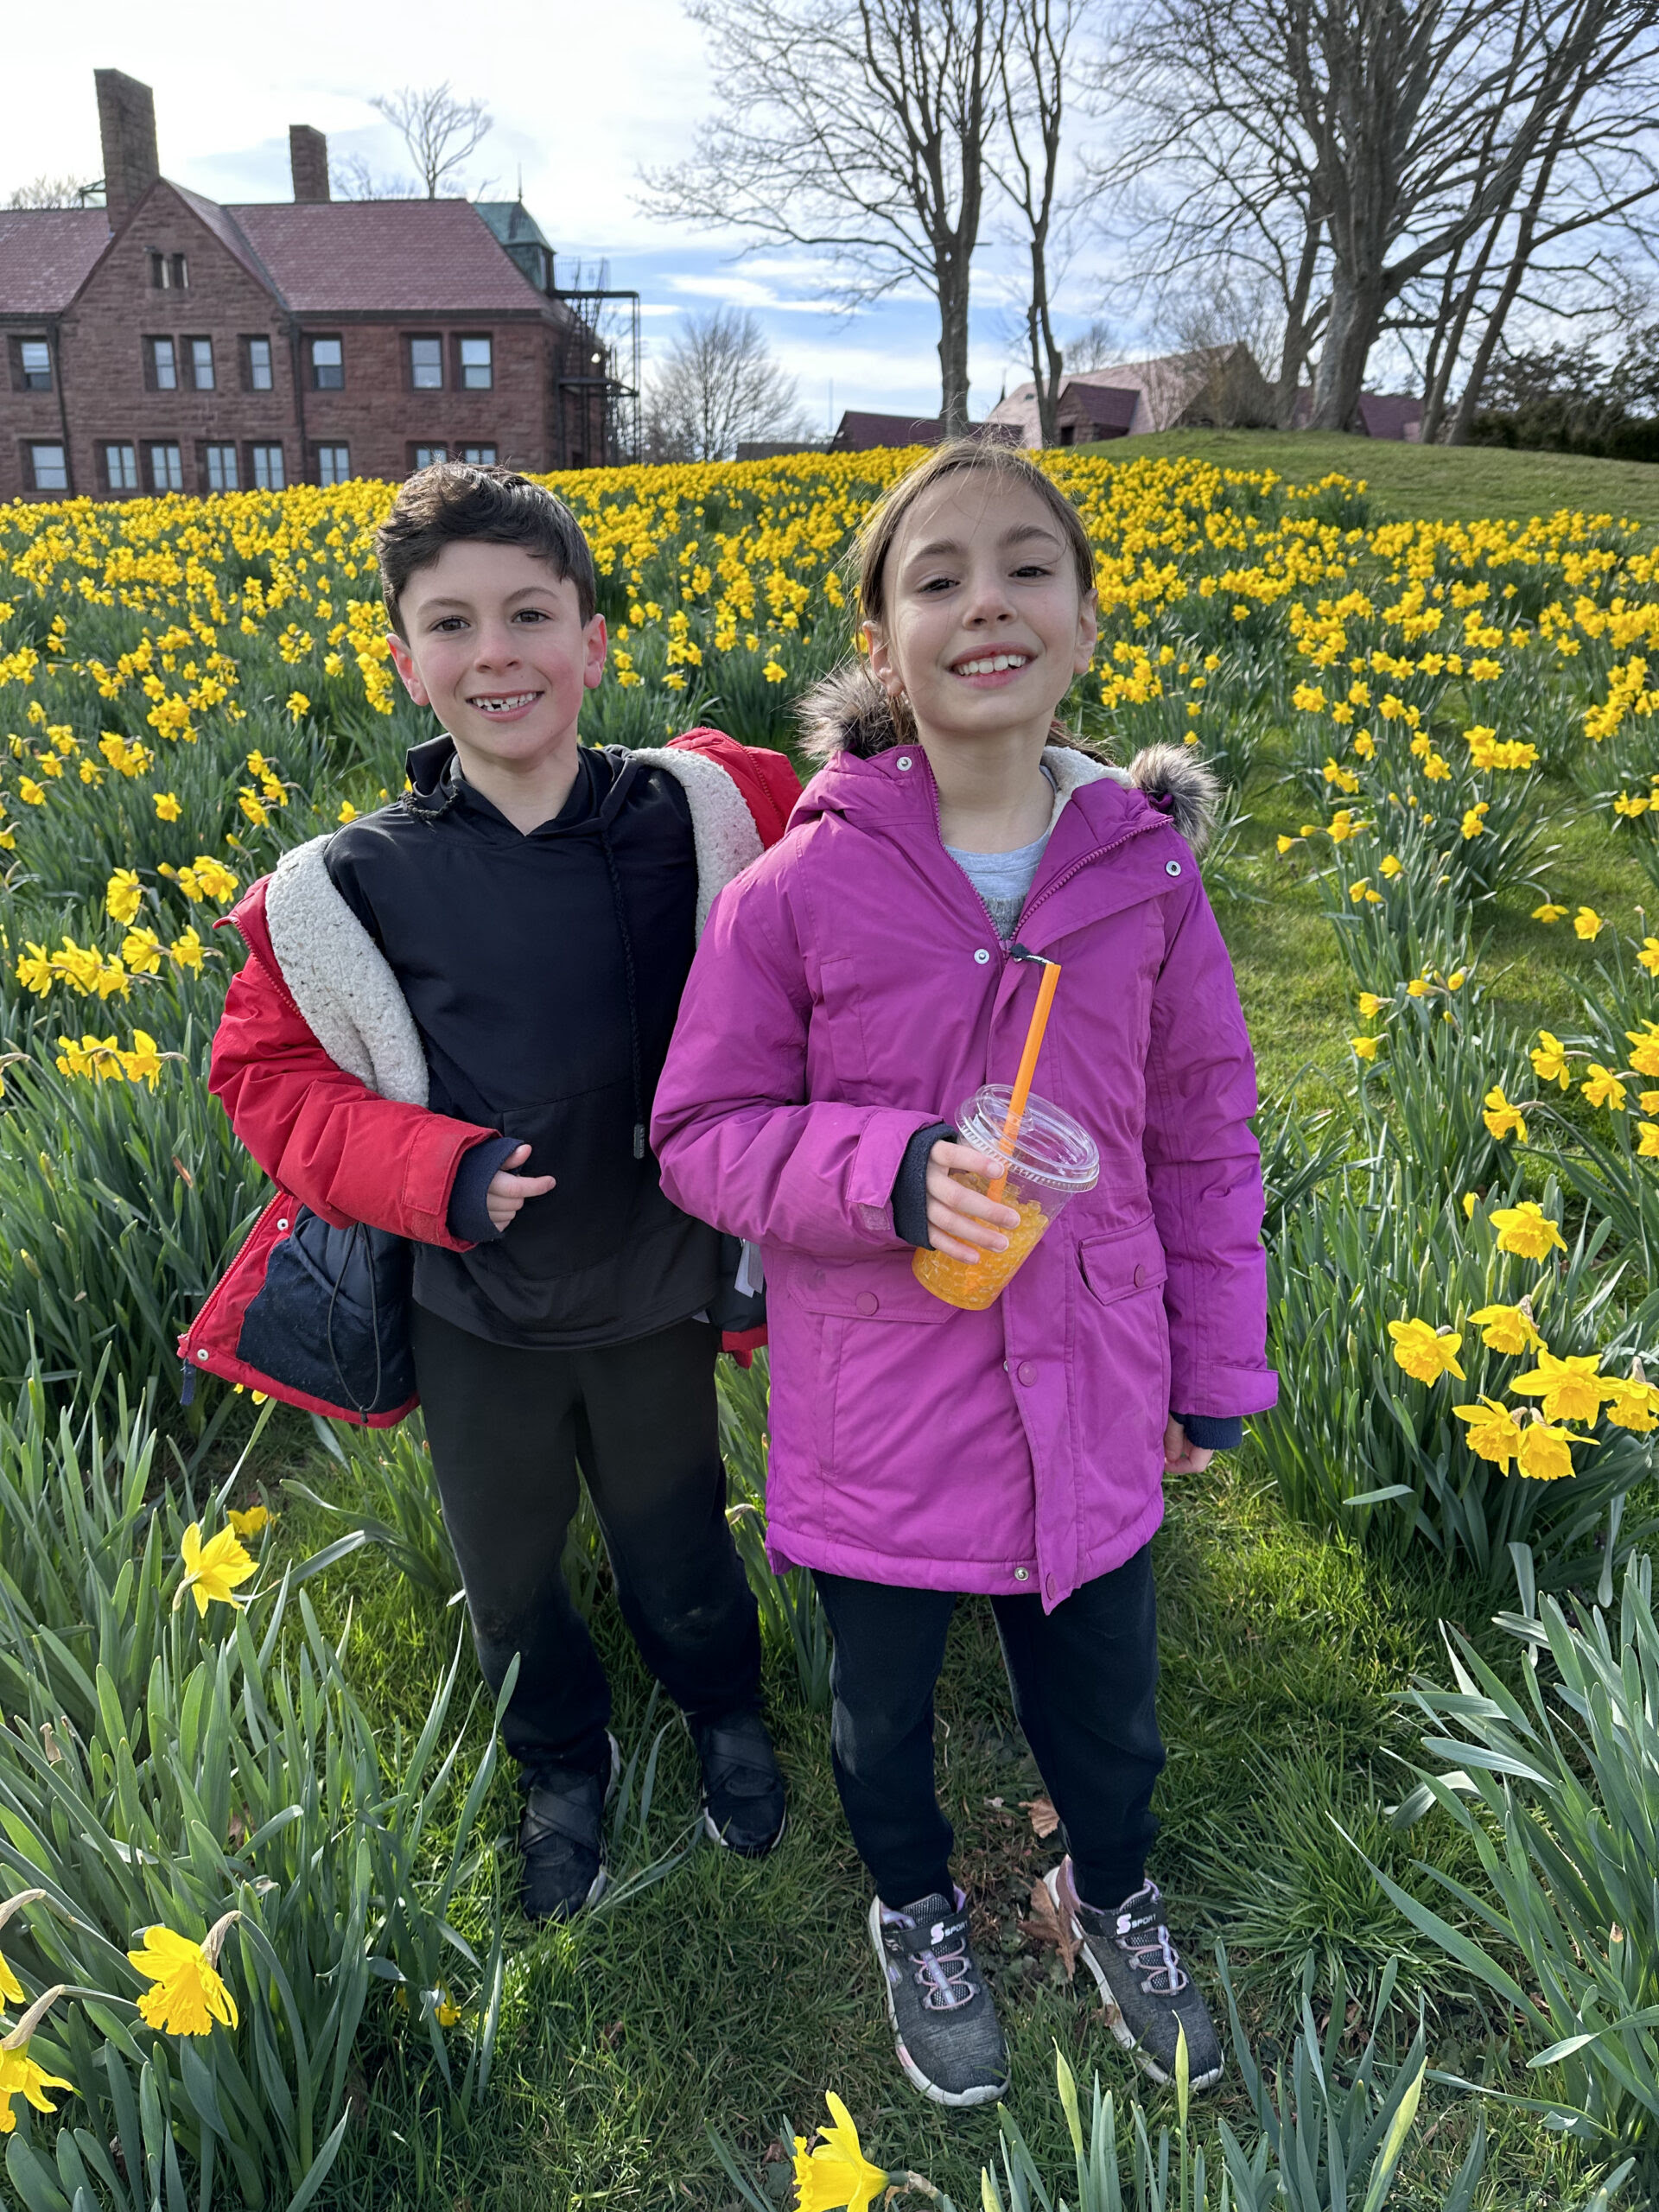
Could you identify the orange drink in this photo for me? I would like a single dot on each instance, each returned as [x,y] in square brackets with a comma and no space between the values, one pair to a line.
[1052,1158]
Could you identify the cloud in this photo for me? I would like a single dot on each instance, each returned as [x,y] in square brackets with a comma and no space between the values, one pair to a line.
[735,291]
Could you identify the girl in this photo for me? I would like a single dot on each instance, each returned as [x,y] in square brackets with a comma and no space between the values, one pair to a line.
[852,991]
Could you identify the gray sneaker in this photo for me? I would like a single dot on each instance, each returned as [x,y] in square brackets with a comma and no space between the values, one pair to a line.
[944,2024]
[1148,1994]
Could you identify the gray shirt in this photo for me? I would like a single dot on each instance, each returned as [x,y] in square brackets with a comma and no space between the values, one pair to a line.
[1002,879]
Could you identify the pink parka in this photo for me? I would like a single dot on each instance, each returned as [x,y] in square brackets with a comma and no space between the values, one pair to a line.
[849,991]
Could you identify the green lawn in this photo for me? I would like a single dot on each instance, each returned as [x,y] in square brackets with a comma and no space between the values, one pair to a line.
[1438,483]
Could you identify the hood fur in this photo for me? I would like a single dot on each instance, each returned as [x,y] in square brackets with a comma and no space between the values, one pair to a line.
[848,712]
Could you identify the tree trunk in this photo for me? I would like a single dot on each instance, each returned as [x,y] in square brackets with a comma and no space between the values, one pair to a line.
[1350,333]
[1046,364]
[953,347]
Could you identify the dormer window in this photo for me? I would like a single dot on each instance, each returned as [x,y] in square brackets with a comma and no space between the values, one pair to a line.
[168,272]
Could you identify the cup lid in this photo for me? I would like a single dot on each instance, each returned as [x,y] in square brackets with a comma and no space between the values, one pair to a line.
[1051,1147]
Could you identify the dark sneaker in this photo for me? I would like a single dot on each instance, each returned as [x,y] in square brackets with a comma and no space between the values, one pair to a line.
[743,1789]
[944,2022]
[561,1839]
[1147,1993]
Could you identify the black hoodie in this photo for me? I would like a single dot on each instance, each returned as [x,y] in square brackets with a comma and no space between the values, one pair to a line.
[544,972]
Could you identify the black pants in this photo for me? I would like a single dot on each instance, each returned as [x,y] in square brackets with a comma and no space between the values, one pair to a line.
[507,1428]
[1083,1678]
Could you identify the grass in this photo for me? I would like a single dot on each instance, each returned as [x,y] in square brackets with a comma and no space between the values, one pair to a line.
[736,1994]
[1433,483]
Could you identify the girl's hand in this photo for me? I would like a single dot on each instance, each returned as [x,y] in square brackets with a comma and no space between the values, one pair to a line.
[507,1192]
[1181,1458]
[964,1224]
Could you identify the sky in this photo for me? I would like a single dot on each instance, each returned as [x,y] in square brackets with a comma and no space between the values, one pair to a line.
[583,98]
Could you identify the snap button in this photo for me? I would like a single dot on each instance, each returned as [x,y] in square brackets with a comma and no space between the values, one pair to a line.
[201,1355]
[1021,1574]
[1027,1373]
[981,957]
[281,1224]
[1172,868]
[867,1302]
[905,762]
[1140,1276]
[818,1278]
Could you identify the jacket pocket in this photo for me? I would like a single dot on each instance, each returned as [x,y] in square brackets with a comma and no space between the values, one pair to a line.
[878,1289]
[843,1018]
[1129,1260]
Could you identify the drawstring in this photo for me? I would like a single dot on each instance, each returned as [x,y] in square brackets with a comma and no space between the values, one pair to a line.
[620,908]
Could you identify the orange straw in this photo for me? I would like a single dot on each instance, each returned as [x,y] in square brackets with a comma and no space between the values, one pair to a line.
[1046,991]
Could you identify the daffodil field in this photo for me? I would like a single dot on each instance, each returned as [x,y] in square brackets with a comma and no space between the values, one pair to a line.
[257,1942]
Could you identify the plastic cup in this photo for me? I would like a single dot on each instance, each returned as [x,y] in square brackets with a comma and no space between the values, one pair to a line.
[1052,1159]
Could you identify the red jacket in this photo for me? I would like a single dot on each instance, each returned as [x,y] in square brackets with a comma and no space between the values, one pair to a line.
[331,1143]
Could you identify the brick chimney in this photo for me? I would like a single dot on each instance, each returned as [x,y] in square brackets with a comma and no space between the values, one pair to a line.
[307,158]
[126,125]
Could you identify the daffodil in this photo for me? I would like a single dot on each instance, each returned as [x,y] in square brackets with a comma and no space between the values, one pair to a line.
[1545,1454]
[1526,1231]
[1364,1048]
[1507,1328]
[1648,1134]
[1587,923]
[1370,1005]
[1494,1432]
[1603,1087]
[19,2076]
[1424,1351]
[1550,1060]
[1503,1118]
[1645,1049]
[12,1989]
[1570,1389]
[1549,912]
[187,1994]
[124,895]
[1648,955]
[166,806]
[250,1520]
[836,2173]
[1634,1404]
[213,1570]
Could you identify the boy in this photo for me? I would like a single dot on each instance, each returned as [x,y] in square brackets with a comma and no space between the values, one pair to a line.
[450,1026]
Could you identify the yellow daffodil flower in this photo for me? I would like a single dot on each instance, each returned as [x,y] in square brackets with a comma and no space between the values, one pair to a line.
[1603,1087]
[187,1994]
[1425,1352]
[1494,1432]
[1549,912]
[250,1520]
[168,808]
[836,2173]
[19,2076]
[1648,1133]
[1526,1231]
[1364,1048]
[1503,1118]
[1370,1005]
[1648,955]
[124,895]
[213,1570]
[1545,1454]
[1550,1060]
[1634,1404]
[1570,1389]
[1645,1049]
[1390,865]
[12,1989]
[1470,1200]
[1507,1328]
[1587,923]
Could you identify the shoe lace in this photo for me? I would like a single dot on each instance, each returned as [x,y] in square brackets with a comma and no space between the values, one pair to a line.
[943,1977]
[1152,1958]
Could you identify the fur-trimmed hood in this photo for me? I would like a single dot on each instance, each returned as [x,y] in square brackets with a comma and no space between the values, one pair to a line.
[848,713]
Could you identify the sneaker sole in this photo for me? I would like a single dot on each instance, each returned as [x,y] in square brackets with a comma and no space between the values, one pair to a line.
[744,1850]
[1115,2020]
[958,2100]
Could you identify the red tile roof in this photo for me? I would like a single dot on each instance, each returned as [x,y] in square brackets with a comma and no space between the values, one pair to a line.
[46,255]
[398,256]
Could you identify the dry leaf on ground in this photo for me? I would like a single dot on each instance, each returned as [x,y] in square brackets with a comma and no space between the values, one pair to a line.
[1047,1925]
[1044,1818]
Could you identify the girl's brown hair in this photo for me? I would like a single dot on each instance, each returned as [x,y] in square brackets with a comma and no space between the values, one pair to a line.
[962,457]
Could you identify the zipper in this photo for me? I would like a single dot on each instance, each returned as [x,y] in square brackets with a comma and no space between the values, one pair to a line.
[1100,853]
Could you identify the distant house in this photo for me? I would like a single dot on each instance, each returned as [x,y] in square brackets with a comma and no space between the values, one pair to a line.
[860,432]
[1210,385]
[166,343]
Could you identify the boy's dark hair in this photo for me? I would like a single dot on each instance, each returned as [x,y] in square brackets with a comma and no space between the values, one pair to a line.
[453,502]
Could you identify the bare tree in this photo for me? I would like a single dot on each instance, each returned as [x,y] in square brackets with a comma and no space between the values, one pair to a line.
[353,179]
[1034,63]
[1095,347]
[440,130]
[857,127]
[56,192]
[719,383]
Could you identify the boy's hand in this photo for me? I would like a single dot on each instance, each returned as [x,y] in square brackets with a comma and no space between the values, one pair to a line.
[963,1224]
[1181,1458]
[508,1191]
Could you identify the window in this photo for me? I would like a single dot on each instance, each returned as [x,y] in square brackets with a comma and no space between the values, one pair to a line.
[49,468]
[328,365]
[168,272]
[256,364]
[201,362]
[32,365]
[221,465]
[166,467]
[334,464]
[268,474]
[426,364]
[477,364]
[163,365]
[480,456]
[121,468]
[425,456]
